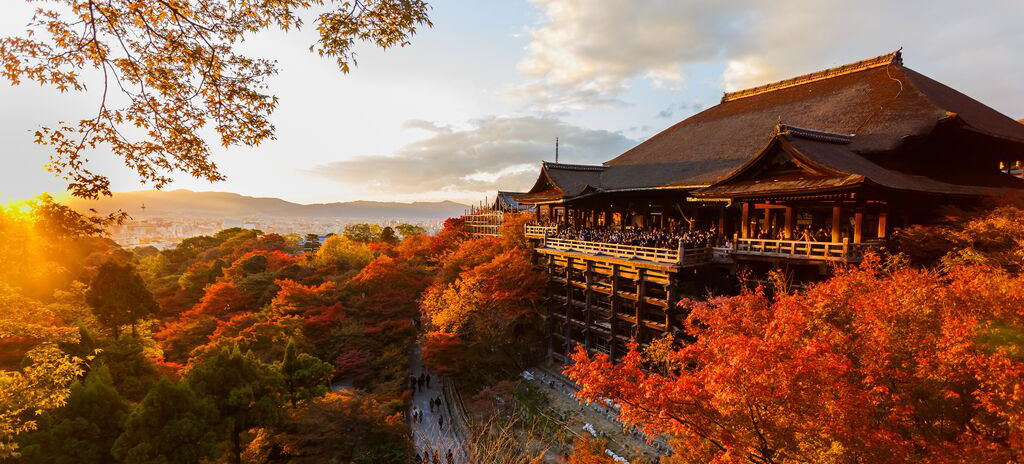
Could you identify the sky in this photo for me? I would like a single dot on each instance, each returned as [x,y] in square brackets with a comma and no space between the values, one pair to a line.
[474,104]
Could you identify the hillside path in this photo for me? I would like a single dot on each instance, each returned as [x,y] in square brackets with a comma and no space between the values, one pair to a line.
[427,433]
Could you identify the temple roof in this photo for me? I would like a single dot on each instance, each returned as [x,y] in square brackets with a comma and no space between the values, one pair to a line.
[879,103]
[825,161]
[508,201]
[561,180]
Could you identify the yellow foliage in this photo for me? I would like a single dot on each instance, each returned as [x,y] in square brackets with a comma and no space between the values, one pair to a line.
[344,253]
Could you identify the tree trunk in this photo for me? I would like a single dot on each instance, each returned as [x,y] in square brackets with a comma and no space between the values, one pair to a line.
[117,331]
[237,444]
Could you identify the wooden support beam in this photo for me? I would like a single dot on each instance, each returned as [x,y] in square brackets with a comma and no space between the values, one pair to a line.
[568,304]
[883,216]
[588,309]
[788,231]
[672,296]
[858,226]
[766,228]
[721,225]
[641,293]
[613,304]
[837,213]
[745,225]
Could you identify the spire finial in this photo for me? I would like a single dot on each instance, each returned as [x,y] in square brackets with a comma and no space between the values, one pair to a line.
[556,149]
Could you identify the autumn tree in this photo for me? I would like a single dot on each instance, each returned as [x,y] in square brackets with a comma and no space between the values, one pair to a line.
[409,230]
[345,427]
[119,297]
[41,374]
[84,430]
[245,392]
[483,320]
[173,425]
[991,235]
[343,253]
[180,70]
[881,363]
[364,233]
[387,235]
[586,450]
[304,375]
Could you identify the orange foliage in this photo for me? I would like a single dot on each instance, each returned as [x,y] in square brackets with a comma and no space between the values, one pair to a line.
[444,352]
[220,299]
[586,450]
[296,298]
[275,261]
[467,255]
[453,233]
[878,364]
[414,248]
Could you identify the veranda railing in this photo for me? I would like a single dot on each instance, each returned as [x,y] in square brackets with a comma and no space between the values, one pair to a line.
[820,251]
[538,231]
[680,256]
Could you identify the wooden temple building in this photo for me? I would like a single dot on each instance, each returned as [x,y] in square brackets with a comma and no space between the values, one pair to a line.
[789,176]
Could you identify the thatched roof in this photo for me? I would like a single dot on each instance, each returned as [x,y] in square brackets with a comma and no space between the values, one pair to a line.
[509,201]
[879,101]
[823,161]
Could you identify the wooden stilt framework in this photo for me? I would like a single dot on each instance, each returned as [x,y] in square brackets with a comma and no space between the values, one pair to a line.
[602,305]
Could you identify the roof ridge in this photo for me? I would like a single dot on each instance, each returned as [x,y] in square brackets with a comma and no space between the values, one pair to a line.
[578,167]
[812,134]
[895,57]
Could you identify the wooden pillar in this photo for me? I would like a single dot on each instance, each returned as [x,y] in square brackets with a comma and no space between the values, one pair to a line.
[745,224]
[721,225]
[767,226]
[837,213]
[641,293]
[613,308]
[568,306]
[671,296]
[550,303]
[883,216]
[788,231]
[858,222]
[588,322]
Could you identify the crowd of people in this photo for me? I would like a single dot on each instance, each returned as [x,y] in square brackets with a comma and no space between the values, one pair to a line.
[692,238]
[655,238]
[800,234]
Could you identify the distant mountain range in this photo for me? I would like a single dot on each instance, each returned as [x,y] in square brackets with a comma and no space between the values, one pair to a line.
[186,203]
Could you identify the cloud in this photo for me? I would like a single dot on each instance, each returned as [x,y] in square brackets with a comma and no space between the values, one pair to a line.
[478,159]
[682,109]
[585,52]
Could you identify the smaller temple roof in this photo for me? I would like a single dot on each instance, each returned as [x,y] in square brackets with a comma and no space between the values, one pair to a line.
[561,180]
[824,161]
[508,201]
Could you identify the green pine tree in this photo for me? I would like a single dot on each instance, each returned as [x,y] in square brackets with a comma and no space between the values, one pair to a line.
[173,425]
[245,391]
[119,297]
[84,430]
[305,376]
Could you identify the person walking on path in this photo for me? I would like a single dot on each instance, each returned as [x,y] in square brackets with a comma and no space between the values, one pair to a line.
[440,422]
[449,457]
[428,380]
